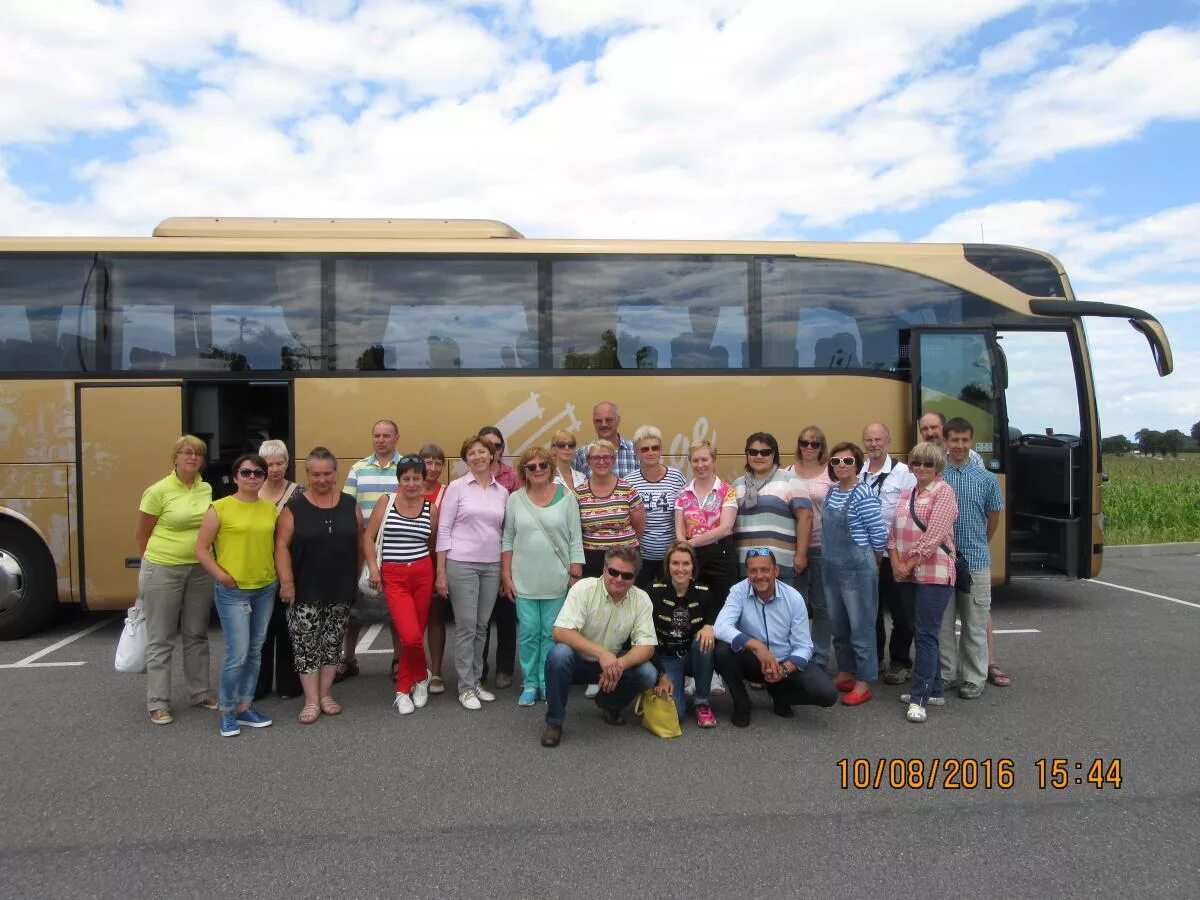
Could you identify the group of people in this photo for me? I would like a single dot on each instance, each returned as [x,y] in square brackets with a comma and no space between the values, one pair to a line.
[616,570]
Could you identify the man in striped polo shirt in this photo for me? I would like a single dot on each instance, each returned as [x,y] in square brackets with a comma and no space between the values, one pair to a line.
[368,480]
[979,503]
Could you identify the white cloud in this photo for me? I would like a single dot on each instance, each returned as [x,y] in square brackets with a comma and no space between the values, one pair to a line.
[1105,94]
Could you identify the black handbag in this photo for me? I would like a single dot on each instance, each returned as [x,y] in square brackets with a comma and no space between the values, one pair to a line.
[962,571]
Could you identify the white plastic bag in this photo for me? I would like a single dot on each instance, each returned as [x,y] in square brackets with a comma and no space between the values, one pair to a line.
[131,648]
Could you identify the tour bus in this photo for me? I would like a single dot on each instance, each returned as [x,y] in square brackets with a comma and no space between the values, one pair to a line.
[310,330]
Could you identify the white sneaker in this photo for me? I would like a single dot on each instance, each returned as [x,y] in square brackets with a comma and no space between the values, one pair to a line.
[916,713]
[689,686]
[420,692]
[718,686]
[932,701]
[403,704]
[483,694]
[593,690]
[468,699]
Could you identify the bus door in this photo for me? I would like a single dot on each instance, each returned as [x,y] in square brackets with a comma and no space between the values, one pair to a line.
[960,374]
[125,435]
[235,416]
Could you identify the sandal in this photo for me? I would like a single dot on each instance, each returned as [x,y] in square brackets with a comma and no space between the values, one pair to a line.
[436,685]
[997,677]
[161,716]
[329,706]
[346,668]
[309,713]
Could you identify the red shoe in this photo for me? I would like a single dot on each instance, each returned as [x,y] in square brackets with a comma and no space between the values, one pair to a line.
[854,698]
[845,685]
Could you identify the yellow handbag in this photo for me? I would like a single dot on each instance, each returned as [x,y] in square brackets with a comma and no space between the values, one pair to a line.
[659,715]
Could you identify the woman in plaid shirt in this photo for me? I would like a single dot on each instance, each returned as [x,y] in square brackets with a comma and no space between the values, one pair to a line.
[923,562]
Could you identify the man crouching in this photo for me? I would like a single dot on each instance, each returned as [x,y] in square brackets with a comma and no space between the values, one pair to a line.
[599,618]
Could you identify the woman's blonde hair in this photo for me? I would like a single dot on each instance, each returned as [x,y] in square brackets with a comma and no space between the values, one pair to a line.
[929,453]
[705,444]
[601,444]
[647,432]
[530,455]
[190,441]
[274,447]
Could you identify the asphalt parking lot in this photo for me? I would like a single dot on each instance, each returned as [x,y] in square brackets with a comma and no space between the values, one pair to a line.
[98,803]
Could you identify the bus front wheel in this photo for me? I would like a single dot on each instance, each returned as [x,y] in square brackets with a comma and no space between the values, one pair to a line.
[27,588]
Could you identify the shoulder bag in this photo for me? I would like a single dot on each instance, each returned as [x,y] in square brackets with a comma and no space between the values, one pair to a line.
[962,571]
[364,577]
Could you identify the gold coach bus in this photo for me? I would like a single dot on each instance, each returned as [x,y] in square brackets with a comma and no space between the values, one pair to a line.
[310,330]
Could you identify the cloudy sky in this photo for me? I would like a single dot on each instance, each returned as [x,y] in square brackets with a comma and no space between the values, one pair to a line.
[1072,127]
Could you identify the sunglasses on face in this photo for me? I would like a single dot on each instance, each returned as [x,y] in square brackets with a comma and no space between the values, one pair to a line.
[188,451]
[922,465]
[760,451]
[252,473]
[565,445]
[655,449]
[842,461]
[600,459]
[537,466]
[812,445]
[617,573]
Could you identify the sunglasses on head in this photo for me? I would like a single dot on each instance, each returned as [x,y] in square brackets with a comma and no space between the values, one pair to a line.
[842,461]
[565,445]
[252,473]
[411,459]
[758,551]
[759,451]
[812,445]
[617,573]
[538,465]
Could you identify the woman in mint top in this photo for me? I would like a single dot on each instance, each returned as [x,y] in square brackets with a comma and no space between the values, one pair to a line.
[176,592]
[242,527]
[541,557]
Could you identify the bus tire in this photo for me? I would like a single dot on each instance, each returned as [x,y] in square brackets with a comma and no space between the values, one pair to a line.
[28,595]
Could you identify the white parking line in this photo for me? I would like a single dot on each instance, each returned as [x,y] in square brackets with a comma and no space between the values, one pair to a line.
[29,662]
[367,639]
[1121,587]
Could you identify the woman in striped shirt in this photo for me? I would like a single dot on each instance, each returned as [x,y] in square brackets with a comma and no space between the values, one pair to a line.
[409,525]
[922,559]
[853,538]
[658,485]
[774,509]
[610,511]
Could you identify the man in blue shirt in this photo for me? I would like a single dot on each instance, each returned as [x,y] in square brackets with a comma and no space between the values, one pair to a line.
[606,418]
[979,503]
[762,636]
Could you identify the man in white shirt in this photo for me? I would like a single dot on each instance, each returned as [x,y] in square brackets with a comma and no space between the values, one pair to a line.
[888,479]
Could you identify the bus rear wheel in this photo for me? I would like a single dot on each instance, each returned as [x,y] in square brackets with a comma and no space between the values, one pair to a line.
[27,588]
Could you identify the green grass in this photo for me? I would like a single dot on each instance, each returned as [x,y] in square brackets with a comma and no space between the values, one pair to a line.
[1152,501]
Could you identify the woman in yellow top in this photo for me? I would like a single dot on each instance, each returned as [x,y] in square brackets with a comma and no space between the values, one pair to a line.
[176,592]
[243,527]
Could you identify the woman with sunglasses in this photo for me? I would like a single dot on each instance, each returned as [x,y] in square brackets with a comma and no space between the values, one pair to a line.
[852,541]
[811,470]
[468,563]
[439,609]
[563,444]
[176,591]
[611,512]
[658,485]
[242,526]
[922,559]
[541,558]
[409,526]
[774,509]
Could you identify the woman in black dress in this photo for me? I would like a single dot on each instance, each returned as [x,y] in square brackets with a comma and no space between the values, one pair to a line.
[317,558]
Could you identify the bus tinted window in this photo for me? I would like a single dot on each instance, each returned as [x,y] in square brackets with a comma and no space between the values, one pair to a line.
[216,313]
[613,313]
[436,313]
[48,314]
[821,314]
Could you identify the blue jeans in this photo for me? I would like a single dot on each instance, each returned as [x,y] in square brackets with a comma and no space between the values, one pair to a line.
[565,667]
[929,609]
[699,665]
[245,616]
[811,586]
[851,584]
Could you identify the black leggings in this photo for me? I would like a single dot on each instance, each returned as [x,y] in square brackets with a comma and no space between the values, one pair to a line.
[718,570]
